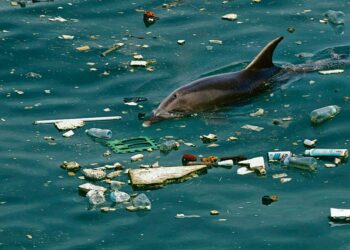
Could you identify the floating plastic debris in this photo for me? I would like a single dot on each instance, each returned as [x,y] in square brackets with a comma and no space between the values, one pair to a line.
[304,163]
[208,138]
[69,133]
[96,197]
[215,41]
[159,177]
[244,171]
[69,125]
[253,128]
[335,17]
[322,114]
[83,48]
[259,112]
[137,157]
[310,143]
[99,133]
[169,145]
[331,71]
[86,187]
[267,200]
[119,197]
[181,42]
[139,63]
[94,174]
[183,216]
[113,48]
[340,214]
[57,19]
[342,153]
[230,17]
[70,166]
[277,156]
[66,37]
[149,18]
[278,176]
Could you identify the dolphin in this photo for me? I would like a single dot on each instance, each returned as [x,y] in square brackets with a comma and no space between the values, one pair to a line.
[213,92]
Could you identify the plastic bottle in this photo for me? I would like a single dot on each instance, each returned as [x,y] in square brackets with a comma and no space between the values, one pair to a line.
[335,17]
[167,146]
[322,114]
[96,197]
[99,133]
[304,163]
[343,153]
[119,197]
[141,202]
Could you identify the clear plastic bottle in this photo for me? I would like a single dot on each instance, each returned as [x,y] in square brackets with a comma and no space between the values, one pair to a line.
[141,202]
[335,17]
[169,145]
[304,163]
[96,197]
[322,114]
[99,133]
[119,197]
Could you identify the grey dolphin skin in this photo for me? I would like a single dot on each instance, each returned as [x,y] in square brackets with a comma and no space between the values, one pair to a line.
[213,92]
[216,91]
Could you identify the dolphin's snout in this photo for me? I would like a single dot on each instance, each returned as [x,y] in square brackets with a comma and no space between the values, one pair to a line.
[157,116]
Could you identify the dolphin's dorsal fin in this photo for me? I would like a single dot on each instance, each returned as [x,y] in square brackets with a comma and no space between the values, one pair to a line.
[264,58]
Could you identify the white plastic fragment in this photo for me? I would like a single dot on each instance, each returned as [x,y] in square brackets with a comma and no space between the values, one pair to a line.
[139,63]
[138,57]
[215,41]
[69,125]
[66,37]
[137,157]
[278,176]
[252,127]
[86,187]
[310,143]
[183,216]
[94,174]
[96,197]
[57,19]
[332,71]
[339,213]
[230,17]
[254,163]
[330,165]
[259,112]
[119,196]
[88,119]
[284,180]
[181,42]
[244,171]
[68,133]
[162,175]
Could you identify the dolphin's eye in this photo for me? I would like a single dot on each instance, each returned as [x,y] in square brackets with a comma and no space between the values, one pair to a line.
[174,95]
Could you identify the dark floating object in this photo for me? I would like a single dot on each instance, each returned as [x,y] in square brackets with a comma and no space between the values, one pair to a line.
[267,200]
[149,18]
[235,158]
[135,99]
[23,4]
[186,158]
[141,115]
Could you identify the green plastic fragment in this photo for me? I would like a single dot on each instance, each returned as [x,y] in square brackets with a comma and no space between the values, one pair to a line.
[132,145]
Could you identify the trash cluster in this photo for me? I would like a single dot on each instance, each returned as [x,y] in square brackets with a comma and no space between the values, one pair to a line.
[103,186]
